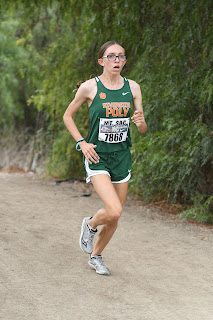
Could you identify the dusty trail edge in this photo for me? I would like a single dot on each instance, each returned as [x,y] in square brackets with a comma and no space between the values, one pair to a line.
[161,267]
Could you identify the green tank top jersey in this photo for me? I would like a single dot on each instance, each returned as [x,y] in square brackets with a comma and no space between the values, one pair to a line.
[110,118]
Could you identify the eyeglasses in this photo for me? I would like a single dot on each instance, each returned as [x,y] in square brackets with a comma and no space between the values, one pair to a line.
[113,57]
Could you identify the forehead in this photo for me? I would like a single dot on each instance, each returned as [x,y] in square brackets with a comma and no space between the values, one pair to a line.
[115,48]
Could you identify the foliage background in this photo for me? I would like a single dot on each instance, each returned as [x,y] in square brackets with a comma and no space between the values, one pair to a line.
[47,47]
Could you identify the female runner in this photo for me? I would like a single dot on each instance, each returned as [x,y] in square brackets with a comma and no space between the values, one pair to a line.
[106,152]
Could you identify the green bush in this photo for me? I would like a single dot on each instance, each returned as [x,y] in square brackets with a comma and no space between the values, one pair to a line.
[168,43]
[169,164]
[200,211]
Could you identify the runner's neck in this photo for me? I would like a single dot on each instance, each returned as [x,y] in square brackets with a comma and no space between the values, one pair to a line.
[113,82]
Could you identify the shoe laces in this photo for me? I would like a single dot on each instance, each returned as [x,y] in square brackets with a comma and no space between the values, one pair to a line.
[99,258]
[100,261]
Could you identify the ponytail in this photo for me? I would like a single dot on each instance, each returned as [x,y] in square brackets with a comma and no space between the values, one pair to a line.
[78,84]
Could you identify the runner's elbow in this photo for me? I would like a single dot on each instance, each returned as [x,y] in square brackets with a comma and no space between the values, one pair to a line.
[67,116]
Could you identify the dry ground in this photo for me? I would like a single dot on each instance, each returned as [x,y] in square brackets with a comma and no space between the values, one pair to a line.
[161,268]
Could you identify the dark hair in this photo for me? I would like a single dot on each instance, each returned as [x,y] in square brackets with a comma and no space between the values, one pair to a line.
[105,46]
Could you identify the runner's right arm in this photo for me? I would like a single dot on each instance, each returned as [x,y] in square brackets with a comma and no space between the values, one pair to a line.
[81,96]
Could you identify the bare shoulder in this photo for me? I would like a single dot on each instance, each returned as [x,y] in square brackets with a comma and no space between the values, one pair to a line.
[135,87]
[133,84]
[87,89]
[89,84]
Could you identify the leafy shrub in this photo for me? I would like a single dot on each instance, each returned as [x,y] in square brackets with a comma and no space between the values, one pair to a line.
[168,44]
[200,211]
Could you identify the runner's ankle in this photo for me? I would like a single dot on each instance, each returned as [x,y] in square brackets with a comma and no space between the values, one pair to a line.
[91,225]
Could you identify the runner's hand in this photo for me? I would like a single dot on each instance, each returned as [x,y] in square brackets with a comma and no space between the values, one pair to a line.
[138,118]
[88,150]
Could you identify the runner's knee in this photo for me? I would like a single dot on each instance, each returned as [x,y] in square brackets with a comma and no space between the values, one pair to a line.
[114,213]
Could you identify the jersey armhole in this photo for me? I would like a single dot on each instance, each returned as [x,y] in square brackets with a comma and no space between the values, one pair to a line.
[127,81]
[97,80]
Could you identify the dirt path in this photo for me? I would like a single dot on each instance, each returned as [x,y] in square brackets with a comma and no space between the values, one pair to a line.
[161,268]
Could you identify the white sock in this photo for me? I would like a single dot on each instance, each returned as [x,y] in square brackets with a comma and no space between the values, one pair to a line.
[91,229]
[95,255]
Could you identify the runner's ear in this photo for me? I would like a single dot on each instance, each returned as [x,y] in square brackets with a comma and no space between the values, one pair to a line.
[101,62]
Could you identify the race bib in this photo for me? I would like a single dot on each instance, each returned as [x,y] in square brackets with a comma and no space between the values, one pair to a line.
[113,130]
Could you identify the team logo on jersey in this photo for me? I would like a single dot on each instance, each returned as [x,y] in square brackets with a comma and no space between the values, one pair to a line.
[116,109]
[102,95]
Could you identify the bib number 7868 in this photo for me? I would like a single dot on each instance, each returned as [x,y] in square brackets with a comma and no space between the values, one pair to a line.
[113,130]
[113,137]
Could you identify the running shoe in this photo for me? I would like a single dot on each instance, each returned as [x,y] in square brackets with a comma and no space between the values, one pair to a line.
[87,236]
[96,263]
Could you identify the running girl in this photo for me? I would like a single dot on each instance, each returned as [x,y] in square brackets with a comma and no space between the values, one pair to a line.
[106,152]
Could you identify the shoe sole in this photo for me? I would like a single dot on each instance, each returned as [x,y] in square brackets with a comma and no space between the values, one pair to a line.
[92,266]
[82,231]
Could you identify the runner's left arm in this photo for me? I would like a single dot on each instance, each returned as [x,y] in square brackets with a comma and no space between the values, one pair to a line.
[138,115]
